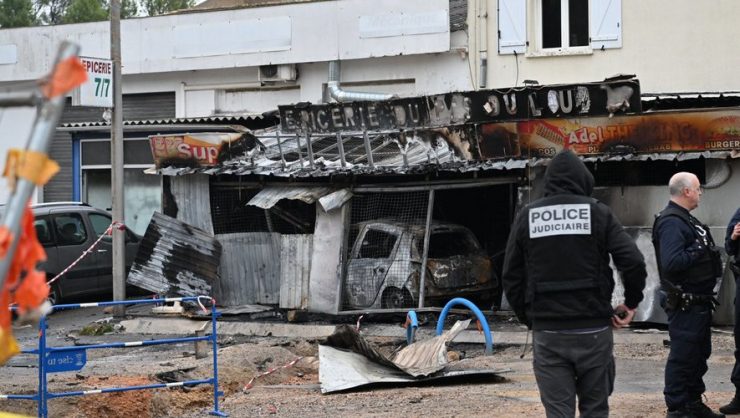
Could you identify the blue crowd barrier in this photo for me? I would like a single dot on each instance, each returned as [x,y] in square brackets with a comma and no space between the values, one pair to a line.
[74,358]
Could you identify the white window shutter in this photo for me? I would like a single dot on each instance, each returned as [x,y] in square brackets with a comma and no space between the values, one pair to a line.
[606,24]
[512,26]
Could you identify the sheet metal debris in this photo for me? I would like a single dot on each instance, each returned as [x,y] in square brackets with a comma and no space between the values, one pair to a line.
[335,200]
[269,196]
[176,259]
[347,361]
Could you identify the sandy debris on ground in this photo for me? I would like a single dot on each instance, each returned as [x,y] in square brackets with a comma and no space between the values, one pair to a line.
[295,391]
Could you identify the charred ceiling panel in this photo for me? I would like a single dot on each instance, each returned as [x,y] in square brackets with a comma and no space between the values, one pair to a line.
[176,259]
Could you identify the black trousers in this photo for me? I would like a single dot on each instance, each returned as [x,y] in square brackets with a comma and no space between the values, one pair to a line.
[691,345]
[735,378]
[570,365]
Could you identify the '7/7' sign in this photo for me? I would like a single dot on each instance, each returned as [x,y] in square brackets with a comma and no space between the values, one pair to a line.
[97,91]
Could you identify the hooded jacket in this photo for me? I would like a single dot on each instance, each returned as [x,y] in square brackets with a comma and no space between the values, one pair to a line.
[556,269]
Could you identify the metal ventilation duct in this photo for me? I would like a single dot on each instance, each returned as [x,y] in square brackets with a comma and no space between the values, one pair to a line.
[336,92]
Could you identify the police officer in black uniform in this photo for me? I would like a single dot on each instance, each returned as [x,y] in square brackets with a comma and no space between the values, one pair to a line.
[732,245]
[689,265]
[559,283]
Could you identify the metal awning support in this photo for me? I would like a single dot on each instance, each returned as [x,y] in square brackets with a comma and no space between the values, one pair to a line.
[368,150]
[309,150]
[425,256]
[298,148]
[280,148]
[340,147]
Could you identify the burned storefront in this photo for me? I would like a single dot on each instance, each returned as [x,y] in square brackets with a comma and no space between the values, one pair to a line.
[403,203]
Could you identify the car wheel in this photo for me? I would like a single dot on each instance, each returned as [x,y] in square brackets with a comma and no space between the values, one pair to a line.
[55,296]
[395,298]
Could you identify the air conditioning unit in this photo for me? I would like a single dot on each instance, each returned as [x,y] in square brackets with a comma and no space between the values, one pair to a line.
[279,72]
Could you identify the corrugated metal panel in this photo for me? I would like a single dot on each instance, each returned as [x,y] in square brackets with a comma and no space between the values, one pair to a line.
[335,200]
[250,269]
[176,259]
[458,15]
[166,121]
[295,263]
[265,166]
[59,188]
[269,196]
[192,197]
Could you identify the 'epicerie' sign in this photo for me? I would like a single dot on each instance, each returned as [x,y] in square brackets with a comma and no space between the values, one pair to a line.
[98,90]
[572,219]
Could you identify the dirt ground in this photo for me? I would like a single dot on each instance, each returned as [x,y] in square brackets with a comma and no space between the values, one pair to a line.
[294,391]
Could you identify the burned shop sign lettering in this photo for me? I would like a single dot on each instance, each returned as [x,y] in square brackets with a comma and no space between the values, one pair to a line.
[200,149]
[684,131]
[534,102]
[355,116]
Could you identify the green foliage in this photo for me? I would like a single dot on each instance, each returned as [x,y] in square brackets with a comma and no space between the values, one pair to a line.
[129,8]
[16,13]
[51,12]
[80,11]
[158,7]
[97,329]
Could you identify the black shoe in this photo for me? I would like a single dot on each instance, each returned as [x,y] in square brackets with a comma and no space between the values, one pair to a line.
[678,413]
[732,408]
[699,410]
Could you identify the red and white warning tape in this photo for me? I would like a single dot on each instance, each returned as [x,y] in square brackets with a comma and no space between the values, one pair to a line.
[273,370]
[108,231]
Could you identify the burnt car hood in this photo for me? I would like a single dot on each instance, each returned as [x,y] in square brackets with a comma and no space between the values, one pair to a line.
[460,271]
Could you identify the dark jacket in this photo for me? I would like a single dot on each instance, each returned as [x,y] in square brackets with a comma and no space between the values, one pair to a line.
[731,246]
[686,258]
[556,269]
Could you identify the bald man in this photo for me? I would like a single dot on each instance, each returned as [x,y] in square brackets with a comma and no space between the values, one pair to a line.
[689,266]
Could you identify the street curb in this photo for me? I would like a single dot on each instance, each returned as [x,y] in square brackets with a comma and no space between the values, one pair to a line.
[184,326]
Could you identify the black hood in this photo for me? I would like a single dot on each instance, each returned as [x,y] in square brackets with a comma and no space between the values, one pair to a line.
[567,174]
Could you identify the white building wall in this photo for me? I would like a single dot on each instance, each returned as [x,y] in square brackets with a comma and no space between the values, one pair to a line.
[211,59]
[15,129]
[671,45]
[241,92]
[287,34]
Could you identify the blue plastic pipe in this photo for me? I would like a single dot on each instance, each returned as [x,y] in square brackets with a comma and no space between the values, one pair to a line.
[413,324]
[476,311]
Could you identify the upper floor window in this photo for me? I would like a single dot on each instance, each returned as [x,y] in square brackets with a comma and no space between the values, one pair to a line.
[558,27]
[563,23]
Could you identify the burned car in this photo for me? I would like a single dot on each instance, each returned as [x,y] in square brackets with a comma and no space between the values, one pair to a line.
[384,268]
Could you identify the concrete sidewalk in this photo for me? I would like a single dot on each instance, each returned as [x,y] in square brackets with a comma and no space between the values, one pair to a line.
[175,325]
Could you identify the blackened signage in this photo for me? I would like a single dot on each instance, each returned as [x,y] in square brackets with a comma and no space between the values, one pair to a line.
[679,131]
[534,102]
[355,116]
